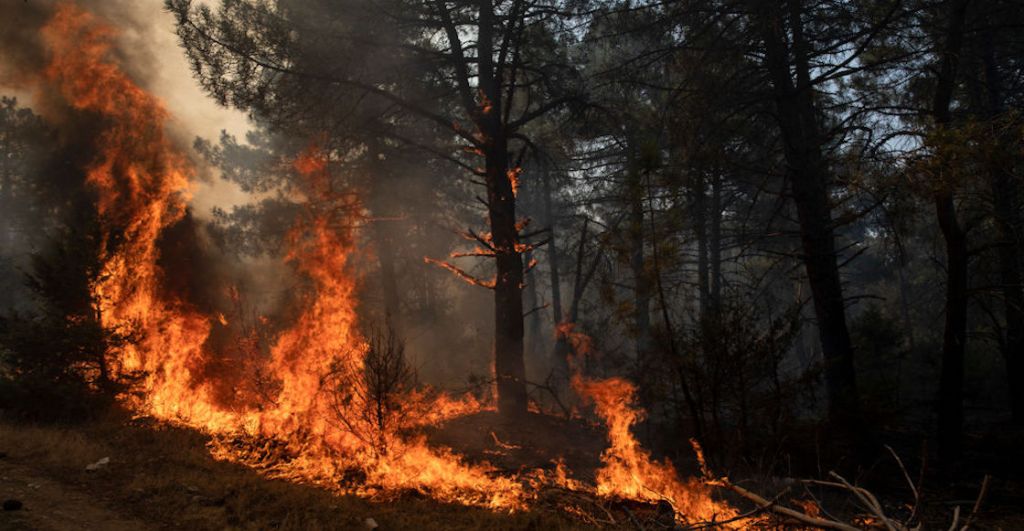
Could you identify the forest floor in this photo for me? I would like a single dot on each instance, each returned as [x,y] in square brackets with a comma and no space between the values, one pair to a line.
[162,477]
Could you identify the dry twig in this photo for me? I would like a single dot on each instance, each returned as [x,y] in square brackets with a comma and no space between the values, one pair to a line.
[786,511]
[977,502]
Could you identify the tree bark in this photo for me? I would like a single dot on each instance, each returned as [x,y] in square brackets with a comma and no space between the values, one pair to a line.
[561,348]
[809,177]
[699,215]
[715,242]
[951,380]
[1006,210]
[509,366]
[380,185]
[641,281]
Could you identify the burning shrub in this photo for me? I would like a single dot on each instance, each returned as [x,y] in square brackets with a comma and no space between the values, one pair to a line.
[369,399]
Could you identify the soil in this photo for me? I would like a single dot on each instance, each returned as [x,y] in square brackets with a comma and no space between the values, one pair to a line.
[161,477]
[50,504]
[533,441]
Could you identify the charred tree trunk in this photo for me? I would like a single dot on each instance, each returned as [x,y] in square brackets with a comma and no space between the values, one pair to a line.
[509,366]
[809,177]
[951,382]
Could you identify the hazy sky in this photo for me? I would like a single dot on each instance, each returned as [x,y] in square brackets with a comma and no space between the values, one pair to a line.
[194,113]
[153,57]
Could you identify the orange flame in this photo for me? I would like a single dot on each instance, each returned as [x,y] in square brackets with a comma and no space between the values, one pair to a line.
[628,470]
[142,184]
[513,179]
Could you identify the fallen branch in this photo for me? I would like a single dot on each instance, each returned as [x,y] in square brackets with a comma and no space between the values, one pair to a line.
[785,511]
[910,483]
[977,502]
[633,519]
[870,502]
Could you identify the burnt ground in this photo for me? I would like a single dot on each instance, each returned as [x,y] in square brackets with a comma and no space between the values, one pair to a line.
[533,441]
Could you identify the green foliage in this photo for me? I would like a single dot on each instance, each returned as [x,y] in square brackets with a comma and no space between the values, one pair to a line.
[26,197]
[54,362]
[733,361]
[879,344]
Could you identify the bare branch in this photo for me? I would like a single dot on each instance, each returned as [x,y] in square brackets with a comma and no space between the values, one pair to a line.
[468,278]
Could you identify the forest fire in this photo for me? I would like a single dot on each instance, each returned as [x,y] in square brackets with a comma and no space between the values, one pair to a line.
[143,184]
[307,264]
[316,365]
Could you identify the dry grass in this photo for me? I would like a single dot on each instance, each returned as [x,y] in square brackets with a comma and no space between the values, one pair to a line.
[164,476]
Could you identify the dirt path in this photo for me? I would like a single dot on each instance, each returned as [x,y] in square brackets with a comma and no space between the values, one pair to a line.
[52,505]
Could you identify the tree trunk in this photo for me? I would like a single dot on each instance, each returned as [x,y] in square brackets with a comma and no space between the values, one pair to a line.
[532,305]
[642,288]
[696,414]
[556,281]
[951,413]
[380,185]
[561,350]
[1004,191]
[1006,211]
[388,275]
[509,367]
[699,215]
[951,380]
[715,242]
[809,177]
